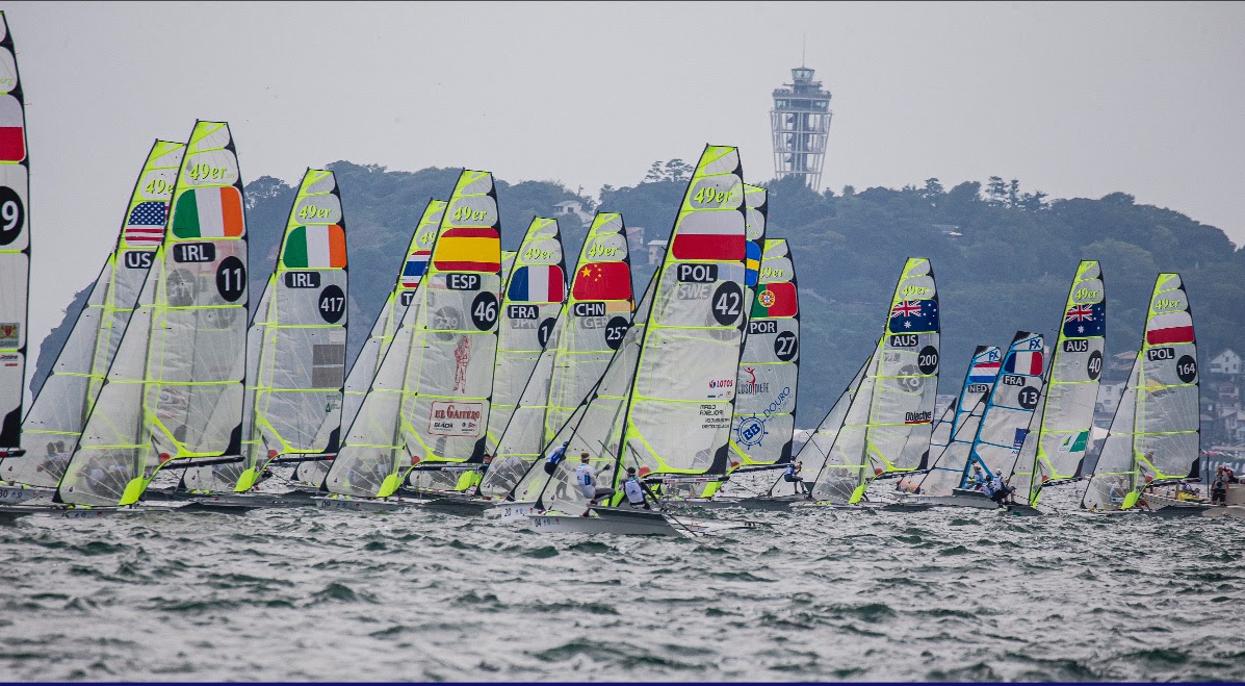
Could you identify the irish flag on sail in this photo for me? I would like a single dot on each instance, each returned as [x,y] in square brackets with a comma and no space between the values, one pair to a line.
[209,213]
[315,247]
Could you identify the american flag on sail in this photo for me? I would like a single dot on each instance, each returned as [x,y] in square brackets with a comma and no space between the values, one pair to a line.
[145,225]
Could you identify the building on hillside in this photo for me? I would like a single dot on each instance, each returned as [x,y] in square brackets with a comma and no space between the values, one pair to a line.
[1227,363]
[656,251]
[800,124]
[572,208]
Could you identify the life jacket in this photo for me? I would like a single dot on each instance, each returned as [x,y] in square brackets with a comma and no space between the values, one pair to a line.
[634,491]
[583,475]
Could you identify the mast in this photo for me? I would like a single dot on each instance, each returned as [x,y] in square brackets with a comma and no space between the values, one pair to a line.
[946,470]
[1009,411]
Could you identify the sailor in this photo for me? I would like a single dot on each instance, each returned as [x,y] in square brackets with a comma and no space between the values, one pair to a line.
[999,490]
[555,457]
[1219,488]
[634,490]
[586,480]
[978,481]
[792,476]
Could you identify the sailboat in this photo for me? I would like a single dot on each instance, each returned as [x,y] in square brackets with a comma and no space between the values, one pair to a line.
[676,419]
[534,288]
[172,397]
[1155,437]
[1054,449]
[952,441]
[296,354]
[14,246]
[429,400]
[763,427]
[886,429]
[57,414]
[588,365]
[1001,430]
[307,476]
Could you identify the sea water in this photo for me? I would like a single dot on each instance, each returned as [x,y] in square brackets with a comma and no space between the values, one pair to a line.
[810,594]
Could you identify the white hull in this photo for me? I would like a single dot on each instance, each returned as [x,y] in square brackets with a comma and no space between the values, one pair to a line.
[958,498]
[252,501]
[510,512]
[65,512]
[11,495]
[607,521]
[366,504]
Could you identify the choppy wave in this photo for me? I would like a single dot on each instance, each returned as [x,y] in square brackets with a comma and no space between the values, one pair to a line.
[817,595]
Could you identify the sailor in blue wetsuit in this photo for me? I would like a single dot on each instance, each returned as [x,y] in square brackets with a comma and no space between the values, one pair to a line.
[977,481]
[634,490]
[792,476]
[555,457]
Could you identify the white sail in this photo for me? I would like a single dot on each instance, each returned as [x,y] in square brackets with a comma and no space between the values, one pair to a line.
[889,423]
[949,452]
[764,422]
[54,422]
[429,401]
[678,416]
[297,347]
[1009,408]
[1055,447]
[534,292]
[1155,435]
[174,390]
[590,327]
[816,450]
[14,242]
[367,362]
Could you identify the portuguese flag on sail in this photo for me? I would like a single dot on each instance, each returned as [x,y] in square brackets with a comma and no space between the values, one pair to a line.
[775,300]
[315,247]
[209,213]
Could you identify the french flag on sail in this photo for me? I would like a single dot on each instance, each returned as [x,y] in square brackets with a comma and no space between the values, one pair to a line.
[1026,362]
[536,284]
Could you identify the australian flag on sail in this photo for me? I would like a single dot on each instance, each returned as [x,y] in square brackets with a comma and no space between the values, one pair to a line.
[145,225]
[914,316]
[1085,320]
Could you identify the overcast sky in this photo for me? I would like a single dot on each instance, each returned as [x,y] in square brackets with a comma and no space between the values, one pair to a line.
[1072,99]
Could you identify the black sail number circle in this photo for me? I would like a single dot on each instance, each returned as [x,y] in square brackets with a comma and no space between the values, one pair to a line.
[615,329]
[544,331]
[1186,369]
[332,304]
[1028,397]
[786,345]
[484,311]
[1093,366]
[231,279]
[727,303]
[927,360]
[12,215]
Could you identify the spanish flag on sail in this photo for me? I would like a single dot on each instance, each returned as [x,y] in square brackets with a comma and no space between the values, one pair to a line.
[475,249]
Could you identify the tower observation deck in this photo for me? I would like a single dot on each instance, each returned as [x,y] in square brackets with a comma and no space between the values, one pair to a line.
[800,122]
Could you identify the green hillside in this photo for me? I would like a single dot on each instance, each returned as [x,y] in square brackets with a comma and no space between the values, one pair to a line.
[1003,256]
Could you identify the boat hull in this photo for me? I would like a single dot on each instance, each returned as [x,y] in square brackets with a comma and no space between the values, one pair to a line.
[254,501]
[606,521]
[66,512]
[11,495]
[459,505]
[367,504]
[958,498]
[510,513]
